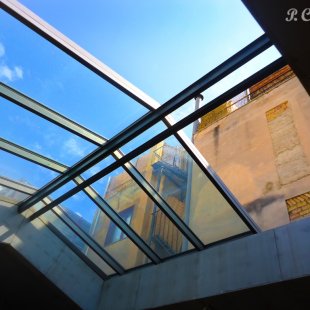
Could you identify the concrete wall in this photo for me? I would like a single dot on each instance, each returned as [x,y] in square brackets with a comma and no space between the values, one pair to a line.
[46,252]
[269,257]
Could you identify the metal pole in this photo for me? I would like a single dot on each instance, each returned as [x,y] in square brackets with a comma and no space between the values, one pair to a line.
[187,208]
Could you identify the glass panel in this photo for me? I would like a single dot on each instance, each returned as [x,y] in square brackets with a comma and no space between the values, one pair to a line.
[86,215]
[78,242]
[8,193]
[37,134]
[245,71]
[144,137]
[258,144]
[125,196]
[43,72]
[24,171]
[188,191]
[228,82]
[161,46]
[98,167]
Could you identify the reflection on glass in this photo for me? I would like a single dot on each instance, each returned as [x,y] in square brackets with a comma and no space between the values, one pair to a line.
[144,137]
[97,168]
[48,75]
[78,242]
[84,213]
[35,133]
[10,194]
[258,144]
[245,71]
[23,171]
[138,210]
[187,190]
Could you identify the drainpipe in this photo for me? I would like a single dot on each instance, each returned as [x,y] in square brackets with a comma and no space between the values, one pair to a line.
[198,101]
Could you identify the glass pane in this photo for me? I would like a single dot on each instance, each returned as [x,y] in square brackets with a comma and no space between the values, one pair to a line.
[228,82]
[144,137]
[136,208]
[98,167]
[86,215]
[43,72]
[258,144]
[10,194]
[160,46]
[188,191]
[78,242]
[24,171]
[245,71]
[43,137]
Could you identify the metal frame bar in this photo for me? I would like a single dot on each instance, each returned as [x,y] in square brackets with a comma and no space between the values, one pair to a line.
[48,32]
[74,249]
[149,119]
[50,115]
[105,256]
[276,65]
[217,182]
[22,188]
[60,120]
[89,191]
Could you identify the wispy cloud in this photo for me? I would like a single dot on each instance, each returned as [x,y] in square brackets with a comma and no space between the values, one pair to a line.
[11,74]
[6,72]
[72,147]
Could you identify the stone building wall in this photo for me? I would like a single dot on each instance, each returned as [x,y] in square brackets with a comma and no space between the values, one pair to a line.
[262,152]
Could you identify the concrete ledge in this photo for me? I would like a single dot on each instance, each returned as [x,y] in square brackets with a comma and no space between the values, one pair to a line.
[269,257]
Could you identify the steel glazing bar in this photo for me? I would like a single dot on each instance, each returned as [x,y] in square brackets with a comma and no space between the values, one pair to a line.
[48,32]
[60,120]
[76,250]
[31,156]
[89,191]
[23,188]
[89,241]
[216,181]
[37,108]
[276,65]
[150,119]
[41,110]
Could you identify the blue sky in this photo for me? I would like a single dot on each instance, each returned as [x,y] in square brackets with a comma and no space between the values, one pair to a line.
[161,46]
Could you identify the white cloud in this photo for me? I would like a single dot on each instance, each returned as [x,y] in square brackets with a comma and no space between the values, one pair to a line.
[2,50]
[11,74]
[6,72]
[19,72]
[72,147]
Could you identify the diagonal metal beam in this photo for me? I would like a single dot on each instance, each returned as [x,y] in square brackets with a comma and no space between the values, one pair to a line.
[150,119]
[17,186]
[276,65]
[74,249]
[105,256]
[48,32]
[58,119]
[36,158]
[89,191]
[43,111]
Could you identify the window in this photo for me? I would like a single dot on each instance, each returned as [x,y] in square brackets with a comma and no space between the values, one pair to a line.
[114,233]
